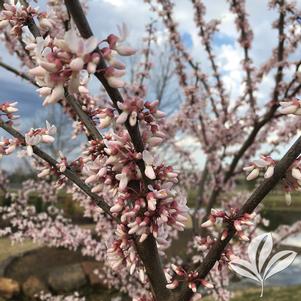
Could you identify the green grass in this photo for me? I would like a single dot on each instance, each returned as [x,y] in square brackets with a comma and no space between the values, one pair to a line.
[276,200]
[291,293]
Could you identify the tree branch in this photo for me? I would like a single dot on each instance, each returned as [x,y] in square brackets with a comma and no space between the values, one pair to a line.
[147,250]
[254,200]
[83,116]
[30,22]
[244,39]
[18,73]
[258,124]
[202,32]
[71,175]
[72,101]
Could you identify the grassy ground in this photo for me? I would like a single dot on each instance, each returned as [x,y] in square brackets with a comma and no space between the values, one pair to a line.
[274,208]
[276,200]
[291,293]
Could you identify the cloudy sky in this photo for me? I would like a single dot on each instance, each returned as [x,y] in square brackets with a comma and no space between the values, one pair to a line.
[104,15]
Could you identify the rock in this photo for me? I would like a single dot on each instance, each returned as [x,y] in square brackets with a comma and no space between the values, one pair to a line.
[33,286]
[8,287]
[89,268]
[67,278]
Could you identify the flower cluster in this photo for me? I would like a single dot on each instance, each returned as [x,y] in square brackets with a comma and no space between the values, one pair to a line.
[191,278]
[144,200]
[266,163]
[291,182]
[49,297]
[116,166]
[116,46]
[63,63]
[17,16]
[123,252]
[8,109]
[291,107]
[7,146]
[40,135]
[233,218]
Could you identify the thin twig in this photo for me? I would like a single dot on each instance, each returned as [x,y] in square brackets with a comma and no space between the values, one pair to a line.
[254,200]
[71,100]
[71,175]
[18,73]
[259,124]
[83,116]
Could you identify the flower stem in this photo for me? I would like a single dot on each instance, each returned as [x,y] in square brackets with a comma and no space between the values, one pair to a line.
[262,283]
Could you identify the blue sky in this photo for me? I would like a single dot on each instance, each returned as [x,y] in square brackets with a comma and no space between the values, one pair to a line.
[104,15]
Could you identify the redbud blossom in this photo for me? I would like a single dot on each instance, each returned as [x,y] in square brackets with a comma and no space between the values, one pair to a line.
[291,107]
[254,168]
[35,136]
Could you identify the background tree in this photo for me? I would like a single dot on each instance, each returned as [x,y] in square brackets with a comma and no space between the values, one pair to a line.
[138,203]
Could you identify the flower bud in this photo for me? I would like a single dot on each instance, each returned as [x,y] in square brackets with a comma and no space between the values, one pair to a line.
[290,109]
[3,24]
[45,23]
[125,50]
[149,172]
[50,67]
[296,173]
[253,174]
[47,139]
[115,82]
[206,224]
[44,91]
[83,90]
[37,71]
[77,64]
[172,285]
[105,122]
[269,173]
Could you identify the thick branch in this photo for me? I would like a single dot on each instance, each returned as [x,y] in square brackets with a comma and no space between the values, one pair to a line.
[68,173]
[264,120]
[254,200]
[147,250]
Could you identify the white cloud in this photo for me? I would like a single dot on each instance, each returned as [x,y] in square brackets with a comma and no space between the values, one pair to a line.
[105,15]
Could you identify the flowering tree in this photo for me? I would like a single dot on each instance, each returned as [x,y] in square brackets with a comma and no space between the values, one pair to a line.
[137,201]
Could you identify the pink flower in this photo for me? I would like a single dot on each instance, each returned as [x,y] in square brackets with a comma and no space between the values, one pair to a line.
[79,46]
[173,284]
[117,43]
[148,160]
[35,136]
[265,162]
[291,107]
